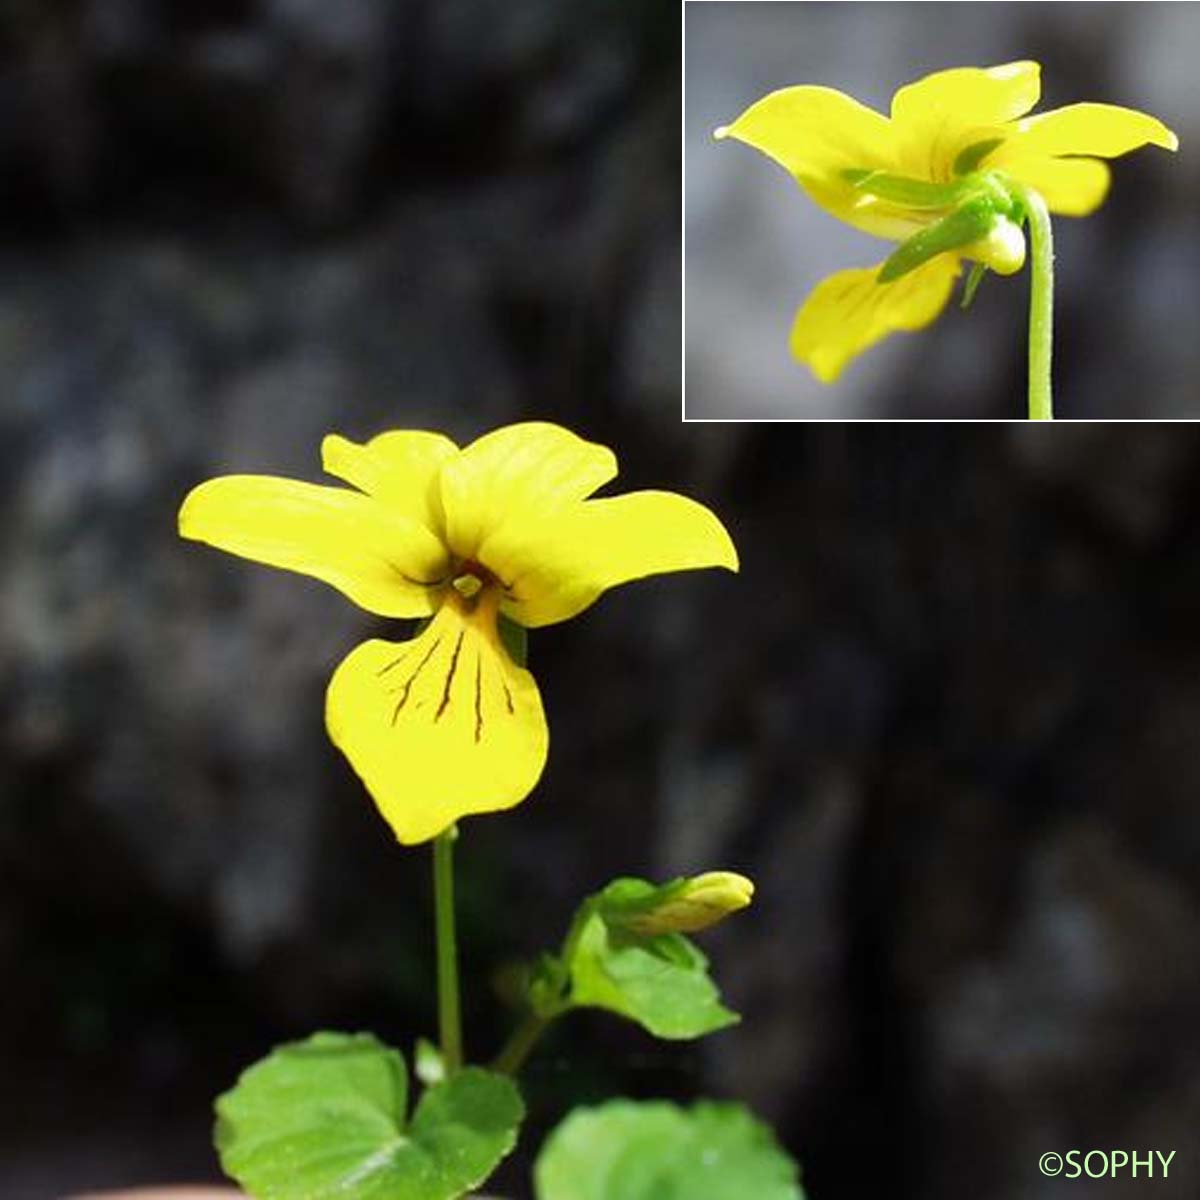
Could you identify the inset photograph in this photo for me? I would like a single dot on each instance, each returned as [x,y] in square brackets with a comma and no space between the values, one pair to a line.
[940,211]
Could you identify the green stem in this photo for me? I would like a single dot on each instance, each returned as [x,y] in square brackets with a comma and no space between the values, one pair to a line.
[516,1050]
[449,1015]
[1041,304]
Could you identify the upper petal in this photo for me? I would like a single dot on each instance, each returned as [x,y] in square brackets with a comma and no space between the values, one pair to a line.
[554,569]
[440,726]
[399,468]
[849,311]
[520,472]
[816,134]
[385,563]
[969,95]
[1099,130]
[940,115]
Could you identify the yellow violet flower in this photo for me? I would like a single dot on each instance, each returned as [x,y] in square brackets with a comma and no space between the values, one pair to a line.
[446,723]
[943,175]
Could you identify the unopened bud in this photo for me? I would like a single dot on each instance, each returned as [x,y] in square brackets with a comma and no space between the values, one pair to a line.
[693,904]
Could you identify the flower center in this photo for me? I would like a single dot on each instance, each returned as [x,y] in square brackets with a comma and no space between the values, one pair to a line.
[471,578]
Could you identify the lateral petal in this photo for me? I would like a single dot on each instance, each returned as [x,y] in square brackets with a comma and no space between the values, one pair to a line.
[385,563]
[517,473]
[849,312]
[555,568]
[1097,130]
[398,468]
[1071,187]
[816,134]
[440,726]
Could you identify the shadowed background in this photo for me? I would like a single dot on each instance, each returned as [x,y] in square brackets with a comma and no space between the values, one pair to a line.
[946,716]
[1128,277]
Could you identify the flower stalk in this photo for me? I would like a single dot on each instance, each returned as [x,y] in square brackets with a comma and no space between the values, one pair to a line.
[449,1009]
[518,1047]
[1041,302]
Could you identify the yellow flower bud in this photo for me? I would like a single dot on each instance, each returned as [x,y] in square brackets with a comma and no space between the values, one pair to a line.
[693,904]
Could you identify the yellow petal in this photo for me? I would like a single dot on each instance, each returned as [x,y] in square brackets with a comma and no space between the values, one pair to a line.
[518,473]
[849,311]
[817,133]
[383,562]
[1098,130]
[440,726]
[555,568]
[969,96]
[1071,187]
[940,115]
[399,468]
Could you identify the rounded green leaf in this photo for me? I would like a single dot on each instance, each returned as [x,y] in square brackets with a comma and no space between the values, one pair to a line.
[657,1151]
[661,982]
[327,1117]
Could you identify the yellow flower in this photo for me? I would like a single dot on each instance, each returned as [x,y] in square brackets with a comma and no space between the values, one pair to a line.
[945,168]
[447,724]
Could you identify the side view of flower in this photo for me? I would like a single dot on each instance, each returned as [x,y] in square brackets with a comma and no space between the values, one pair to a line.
[502,531]
[953,174]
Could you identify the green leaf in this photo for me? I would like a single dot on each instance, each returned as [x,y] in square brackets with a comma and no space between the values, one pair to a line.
[625,952]
[327,1117]
[466,1125]
[657,1151]
[661,982]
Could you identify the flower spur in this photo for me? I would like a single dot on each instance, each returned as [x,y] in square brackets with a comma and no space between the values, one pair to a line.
[503,530]
[951,174]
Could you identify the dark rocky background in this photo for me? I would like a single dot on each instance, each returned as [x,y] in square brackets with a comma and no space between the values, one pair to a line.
[946,716]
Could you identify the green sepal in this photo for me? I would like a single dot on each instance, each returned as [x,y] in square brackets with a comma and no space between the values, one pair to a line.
[966,224]
[516,640]
[625,1150]
[628,897]
[326,1119]
[970,158]
[978,271]
[900,189]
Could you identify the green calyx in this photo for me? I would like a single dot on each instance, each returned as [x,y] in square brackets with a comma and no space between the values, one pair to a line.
[981,216]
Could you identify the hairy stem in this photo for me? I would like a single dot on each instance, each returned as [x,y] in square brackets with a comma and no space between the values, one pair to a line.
[1041,304]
